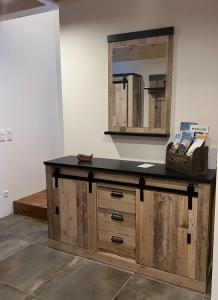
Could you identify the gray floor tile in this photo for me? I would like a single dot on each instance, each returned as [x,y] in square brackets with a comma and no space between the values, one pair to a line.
[28,229]
[31,297]
[32,266]
[10,245]
[10,220]
[10,293]
[140,288]
[84,280]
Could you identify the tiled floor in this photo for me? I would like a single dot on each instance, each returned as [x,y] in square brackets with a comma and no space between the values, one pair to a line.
[30,270]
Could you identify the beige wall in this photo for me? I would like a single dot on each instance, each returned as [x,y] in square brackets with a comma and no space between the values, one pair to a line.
[30,103]
[84,27]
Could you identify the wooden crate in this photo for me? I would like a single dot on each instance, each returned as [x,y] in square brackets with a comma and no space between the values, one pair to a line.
[194,166]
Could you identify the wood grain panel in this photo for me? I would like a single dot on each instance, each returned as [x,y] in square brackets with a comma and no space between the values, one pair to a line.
[144,229]
[111,98]
[169,184]
[203,239]
[105,222]
[124,204]
[169,75]
[92,218]
[34,206]
[192,229]
[163,222]
[68,211]
[165,231]
[127,249]
[117,177]
[53,201]
[135,99]
[120,109]
[136,52]
[82,217]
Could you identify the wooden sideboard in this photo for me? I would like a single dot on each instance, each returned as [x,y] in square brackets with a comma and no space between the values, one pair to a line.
[150,221]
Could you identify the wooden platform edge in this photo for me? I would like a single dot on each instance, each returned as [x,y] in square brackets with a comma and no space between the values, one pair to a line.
[130,265]
[34,206]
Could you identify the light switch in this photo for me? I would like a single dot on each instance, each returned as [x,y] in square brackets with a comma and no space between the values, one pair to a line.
[2,135]
[9,135]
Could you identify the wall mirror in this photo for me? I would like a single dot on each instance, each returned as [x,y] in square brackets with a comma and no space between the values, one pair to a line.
[140,82]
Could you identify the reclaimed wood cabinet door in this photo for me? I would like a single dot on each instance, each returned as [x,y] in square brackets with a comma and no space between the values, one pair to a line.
[73,214]
[120,117]
[166,232]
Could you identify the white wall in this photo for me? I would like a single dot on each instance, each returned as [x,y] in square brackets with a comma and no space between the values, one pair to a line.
[30,103]
[84,28]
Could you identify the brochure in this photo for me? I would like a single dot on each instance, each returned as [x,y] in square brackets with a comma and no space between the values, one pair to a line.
[185,126]
[186,141]
[176,142]
[198,142]
[199,129]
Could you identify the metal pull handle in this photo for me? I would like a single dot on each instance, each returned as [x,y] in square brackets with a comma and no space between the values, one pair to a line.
[117,217]
[57,210]
[117,240]
[189,238]
[117,194]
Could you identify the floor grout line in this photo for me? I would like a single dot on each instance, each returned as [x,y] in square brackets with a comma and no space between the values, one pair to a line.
[52,276]
[12,286]
[122,286]
[69,261]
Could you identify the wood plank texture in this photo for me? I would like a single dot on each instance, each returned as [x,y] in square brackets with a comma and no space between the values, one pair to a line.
[163,224]
[73,212]
[53,201]
[203,239]
[126,249]
[120,109]
[142,52]
[124,204]
[68,211]
[127,225]
[153,233]
[34,206]
[92,218]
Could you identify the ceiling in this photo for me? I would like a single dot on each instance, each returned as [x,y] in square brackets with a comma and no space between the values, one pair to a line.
[13,6]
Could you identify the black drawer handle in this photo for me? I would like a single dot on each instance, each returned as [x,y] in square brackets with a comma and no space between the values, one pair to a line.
[57,210]
[117,217]
[117,194]
[117,240]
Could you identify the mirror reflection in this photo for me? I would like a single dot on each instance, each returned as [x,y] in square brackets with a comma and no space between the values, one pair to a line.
[139,83]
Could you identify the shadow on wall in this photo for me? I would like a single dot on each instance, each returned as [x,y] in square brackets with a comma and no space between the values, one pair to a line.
[138,148]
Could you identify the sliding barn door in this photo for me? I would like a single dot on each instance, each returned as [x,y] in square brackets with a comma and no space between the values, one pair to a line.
[166,232]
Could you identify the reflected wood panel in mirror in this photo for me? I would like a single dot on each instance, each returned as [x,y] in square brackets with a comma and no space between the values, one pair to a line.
[140,82]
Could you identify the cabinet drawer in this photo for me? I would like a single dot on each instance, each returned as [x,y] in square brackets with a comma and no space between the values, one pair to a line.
[117,222]
[116,198]
[119,244]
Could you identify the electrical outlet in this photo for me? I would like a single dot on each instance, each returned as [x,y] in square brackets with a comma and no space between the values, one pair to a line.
[2,135]
[8,133]
[5,194]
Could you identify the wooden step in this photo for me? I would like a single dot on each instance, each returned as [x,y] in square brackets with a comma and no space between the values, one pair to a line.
[34,206]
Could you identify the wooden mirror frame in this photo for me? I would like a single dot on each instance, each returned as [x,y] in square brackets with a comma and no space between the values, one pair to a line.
[142,38]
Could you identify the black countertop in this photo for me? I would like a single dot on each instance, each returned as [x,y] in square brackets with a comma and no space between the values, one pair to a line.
[128,167]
